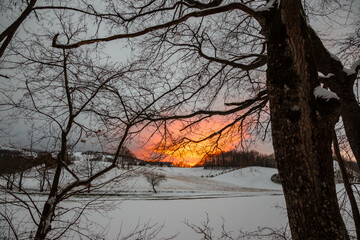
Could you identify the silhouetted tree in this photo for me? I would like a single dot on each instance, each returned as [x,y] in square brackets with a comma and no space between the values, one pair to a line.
[200,50]
[154,179]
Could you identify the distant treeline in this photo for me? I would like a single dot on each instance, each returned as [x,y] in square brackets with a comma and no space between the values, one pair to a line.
[16,161]
[237,158]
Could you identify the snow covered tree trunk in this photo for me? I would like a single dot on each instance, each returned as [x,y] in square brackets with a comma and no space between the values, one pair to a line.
[46,217]
[302,127]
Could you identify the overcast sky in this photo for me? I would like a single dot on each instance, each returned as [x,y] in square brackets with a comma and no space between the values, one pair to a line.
[18,132]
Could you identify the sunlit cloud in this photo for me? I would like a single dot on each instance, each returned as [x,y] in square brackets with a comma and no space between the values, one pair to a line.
[186,146]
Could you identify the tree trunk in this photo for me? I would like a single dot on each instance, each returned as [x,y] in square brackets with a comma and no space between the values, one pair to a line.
[10,181]
[20,179]
[350,113]
[347,185]
[342,84]
[47,214]
[301,127]
[7,35]
[43,180]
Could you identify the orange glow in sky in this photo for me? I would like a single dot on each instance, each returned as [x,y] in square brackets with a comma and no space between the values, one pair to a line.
[191,153]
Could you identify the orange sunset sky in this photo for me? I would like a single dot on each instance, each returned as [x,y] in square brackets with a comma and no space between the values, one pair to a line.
[193,152]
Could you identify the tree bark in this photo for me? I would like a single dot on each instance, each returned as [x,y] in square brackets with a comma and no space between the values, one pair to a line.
[301,127]
[48,211]
[20,179]
[7,35]
[342,84]
[46,217]
[43,180]
[347,185]
[350,113]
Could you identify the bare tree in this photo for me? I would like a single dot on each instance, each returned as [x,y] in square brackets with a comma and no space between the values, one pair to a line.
[90,165]
[302,113]
[74,95]
[154,179]
[18,13]
[7,35]
[348,187]
[208,232]
[204,52]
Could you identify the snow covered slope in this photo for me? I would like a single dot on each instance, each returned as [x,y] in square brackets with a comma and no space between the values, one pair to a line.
[251,177]
[180,182]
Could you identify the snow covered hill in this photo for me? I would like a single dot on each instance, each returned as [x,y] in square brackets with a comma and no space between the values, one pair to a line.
[251,177]
[180,182]
[196,183]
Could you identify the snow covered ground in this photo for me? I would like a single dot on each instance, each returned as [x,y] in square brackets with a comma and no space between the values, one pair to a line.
[205,183]
[180,182]
[235,213]
[240,199]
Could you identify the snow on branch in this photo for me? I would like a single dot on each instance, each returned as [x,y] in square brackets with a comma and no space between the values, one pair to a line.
[336,58]
[329,75]
[354,68]
[201,5]
[269,5]
[320,92]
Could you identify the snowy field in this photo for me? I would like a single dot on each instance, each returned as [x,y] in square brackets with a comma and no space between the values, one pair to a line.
[238,199]
[243,199]
[205,183]
[235,213]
